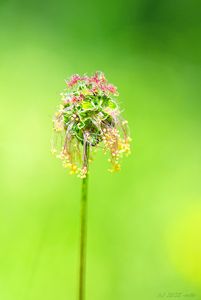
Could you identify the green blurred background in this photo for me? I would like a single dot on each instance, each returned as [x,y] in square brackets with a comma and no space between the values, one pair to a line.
[144,238]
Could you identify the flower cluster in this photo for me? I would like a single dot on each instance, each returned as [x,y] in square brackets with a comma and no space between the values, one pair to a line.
[89,114]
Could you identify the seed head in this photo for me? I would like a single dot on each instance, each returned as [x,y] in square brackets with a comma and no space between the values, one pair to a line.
[89,113]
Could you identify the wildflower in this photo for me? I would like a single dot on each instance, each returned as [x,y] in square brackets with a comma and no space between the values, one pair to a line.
[89,115]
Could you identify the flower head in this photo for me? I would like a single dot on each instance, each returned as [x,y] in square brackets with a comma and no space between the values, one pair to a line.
[89,114]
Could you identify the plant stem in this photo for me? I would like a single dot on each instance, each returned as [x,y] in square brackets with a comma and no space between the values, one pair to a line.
[83,226]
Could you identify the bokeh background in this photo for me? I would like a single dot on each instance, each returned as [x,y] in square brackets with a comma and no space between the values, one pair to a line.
[144,237]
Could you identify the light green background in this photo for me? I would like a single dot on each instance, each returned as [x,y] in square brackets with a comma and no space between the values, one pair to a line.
[144,237]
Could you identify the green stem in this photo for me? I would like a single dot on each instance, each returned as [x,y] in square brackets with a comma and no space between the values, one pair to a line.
[83,226]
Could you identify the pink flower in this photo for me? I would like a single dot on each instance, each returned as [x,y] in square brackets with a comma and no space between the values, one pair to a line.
[95,78]
[81,97]
[97,83]
[112,89]
[74,79]
[103,87]
[74,99]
